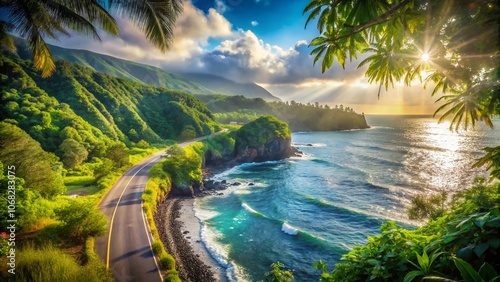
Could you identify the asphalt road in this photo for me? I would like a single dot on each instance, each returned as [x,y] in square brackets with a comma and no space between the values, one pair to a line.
[126,247]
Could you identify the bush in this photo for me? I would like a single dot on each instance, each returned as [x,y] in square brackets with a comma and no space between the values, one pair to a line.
[172,276]
[80,219]
[157,247]
[167,261]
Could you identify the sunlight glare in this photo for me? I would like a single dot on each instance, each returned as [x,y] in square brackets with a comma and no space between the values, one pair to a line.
[425,57]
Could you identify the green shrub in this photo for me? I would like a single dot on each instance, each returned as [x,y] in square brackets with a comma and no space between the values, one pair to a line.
[80,220]
[167,261]
[172,276]
[157,247]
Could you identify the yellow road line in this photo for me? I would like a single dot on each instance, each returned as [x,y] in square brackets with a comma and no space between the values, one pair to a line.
[116,208]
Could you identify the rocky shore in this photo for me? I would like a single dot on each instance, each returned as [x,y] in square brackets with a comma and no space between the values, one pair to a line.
[179,231]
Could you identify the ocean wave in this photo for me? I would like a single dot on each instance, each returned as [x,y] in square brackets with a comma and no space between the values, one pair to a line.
[308,145]
[288,229]
[220,254]
[354,211]
[251,210]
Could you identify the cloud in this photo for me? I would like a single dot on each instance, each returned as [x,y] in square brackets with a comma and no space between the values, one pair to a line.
[247,58]
[220,6]
[191,34]
[255,23]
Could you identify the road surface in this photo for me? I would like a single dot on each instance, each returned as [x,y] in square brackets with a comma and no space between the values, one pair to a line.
[126,247]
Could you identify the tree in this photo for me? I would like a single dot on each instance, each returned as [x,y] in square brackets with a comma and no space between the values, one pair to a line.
[278,274]
[80,219]
[73,153]
[34,19]
[119,154]
[452,45]
[40,170]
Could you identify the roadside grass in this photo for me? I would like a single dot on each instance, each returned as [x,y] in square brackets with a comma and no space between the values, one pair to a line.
[49,263]
[80,185]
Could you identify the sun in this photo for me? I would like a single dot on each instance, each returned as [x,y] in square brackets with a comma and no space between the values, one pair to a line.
[425,57]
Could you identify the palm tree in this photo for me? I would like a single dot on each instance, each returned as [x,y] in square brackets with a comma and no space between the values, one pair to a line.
[36,19]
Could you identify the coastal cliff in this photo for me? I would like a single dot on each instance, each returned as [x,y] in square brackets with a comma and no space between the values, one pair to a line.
[265,139]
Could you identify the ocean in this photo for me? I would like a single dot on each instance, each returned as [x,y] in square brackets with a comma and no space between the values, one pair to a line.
[348,183]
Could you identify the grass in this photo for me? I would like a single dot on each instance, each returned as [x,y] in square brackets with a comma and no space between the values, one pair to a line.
[80,185]
[49,263]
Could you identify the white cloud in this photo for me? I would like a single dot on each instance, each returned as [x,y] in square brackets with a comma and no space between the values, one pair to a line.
[255,23]
[191,34]
[220,6]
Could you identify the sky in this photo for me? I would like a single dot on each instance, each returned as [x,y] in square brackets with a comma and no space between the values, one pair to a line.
[261,41]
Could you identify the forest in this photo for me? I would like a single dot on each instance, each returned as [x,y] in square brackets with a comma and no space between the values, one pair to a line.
[299,116]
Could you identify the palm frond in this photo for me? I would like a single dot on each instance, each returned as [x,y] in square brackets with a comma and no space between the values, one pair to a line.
[90,10]
[155,17]
[6,39]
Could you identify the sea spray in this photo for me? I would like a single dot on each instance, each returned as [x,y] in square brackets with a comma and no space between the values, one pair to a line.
[288,229]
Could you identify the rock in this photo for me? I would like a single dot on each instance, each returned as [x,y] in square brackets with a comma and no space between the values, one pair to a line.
[251,184]
[223,182]
[220,194]
[309,145]
[236,184]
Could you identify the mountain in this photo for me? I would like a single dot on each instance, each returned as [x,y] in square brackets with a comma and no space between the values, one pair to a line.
[228,87]
[118,67]
[192,83]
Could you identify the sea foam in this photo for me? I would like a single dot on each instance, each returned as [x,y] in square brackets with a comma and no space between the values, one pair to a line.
[288,229]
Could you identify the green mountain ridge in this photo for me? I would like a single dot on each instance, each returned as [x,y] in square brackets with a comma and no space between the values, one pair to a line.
[191,83]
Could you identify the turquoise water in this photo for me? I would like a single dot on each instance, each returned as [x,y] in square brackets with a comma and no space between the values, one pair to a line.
[348,183]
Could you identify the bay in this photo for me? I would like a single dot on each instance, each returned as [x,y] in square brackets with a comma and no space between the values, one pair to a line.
[346,185]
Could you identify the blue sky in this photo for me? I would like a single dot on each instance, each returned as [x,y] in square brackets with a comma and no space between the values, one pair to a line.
[261,41]
[277,22]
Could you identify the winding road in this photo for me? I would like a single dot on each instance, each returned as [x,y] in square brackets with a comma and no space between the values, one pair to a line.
[126,247]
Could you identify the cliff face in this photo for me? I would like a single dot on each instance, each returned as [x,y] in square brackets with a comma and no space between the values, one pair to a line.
[265,139]
[273,149]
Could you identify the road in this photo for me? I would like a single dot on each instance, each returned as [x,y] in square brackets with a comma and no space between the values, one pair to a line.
[126,247]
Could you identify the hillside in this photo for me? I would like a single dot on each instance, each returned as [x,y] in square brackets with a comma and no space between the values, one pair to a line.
[225,86]
[95,109]
[118,67]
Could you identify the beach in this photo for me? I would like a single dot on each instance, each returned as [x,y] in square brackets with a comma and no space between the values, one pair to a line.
[180,231]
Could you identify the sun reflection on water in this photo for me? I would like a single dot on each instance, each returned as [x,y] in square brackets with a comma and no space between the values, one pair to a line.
[440,158]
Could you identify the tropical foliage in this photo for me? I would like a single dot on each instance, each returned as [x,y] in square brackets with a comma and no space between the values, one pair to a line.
[35,20]
[462,244]
[451,45]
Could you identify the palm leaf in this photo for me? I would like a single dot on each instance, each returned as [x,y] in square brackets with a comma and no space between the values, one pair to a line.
[155,17]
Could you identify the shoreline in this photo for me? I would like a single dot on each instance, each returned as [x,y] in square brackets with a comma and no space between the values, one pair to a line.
[180,232]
